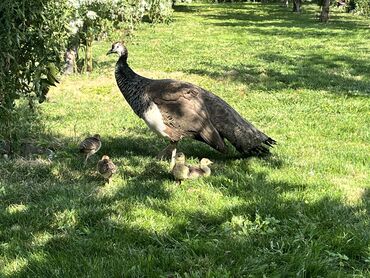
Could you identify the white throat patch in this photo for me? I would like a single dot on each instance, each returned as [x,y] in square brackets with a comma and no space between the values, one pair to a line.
[153,118]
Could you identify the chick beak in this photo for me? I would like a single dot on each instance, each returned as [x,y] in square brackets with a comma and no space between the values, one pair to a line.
[110,52]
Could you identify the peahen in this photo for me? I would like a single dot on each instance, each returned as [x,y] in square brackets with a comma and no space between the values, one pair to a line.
[176,109]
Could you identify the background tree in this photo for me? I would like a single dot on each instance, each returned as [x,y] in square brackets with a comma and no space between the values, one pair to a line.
[297,6]
[324,15]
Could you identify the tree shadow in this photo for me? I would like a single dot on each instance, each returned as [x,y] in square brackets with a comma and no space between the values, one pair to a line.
[310,71]
[277,17]
[184,9]
[62,224]
[334,72]
[59,219]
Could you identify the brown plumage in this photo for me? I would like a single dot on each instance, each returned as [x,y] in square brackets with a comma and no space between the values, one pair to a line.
[106,167]
[177,109]
[90,146]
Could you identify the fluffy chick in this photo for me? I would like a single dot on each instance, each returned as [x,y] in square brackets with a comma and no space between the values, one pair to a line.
[202,170]
[180,170]
[89,146]
[106,167]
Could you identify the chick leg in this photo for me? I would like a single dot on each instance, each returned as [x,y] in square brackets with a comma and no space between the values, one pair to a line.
[87,157]
[173,161]
[168,152]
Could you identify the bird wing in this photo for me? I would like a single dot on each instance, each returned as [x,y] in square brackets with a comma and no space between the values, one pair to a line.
[111,167]
[246,138]
[105,167]
[102,167]
[195,172]
[90,143]
[180,171]
[184,112]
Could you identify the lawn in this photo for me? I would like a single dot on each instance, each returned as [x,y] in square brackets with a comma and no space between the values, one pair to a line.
[302,212]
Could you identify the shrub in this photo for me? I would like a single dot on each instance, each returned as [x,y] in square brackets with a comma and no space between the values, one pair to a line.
[361,7]
[32,43]
[96,19]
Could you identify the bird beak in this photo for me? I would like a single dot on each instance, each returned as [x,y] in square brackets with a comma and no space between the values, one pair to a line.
[110,52]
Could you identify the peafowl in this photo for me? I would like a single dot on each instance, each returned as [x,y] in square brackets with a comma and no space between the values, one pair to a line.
[177,109]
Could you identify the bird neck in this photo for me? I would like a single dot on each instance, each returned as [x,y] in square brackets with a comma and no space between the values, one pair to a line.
[132,86]
[124,69]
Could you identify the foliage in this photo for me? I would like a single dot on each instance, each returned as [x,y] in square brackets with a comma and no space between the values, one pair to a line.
[160,10]
[361,7]
[95,19]
[32,41]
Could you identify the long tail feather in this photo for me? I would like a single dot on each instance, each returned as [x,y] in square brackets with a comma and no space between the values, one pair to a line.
[231,125]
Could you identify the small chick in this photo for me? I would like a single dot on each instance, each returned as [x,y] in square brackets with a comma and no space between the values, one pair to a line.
[89,146]
[106,167]
[180,171]
[202,171]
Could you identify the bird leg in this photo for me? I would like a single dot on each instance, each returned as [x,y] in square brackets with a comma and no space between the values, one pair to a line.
[167,152]
[87,157]
[173,160]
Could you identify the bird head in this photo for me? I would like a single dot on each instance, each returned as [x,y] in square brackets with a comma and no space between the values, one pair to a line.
[119,48]
[180,158]
[205,162]
[105,158]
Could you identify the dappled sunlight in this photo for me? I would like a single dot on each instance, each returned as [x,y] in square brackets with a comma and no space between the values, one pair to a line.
[14,267]
[40,239]
[302,211]
[65,220]
[150,220]
[16,208]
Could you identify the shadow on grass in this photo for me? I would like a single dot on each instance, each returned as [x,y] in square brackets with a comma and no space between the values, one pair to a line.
[103,65]
[277,17]
[59,219]
[314,72]
[338,73]
[60,225]
[184,9]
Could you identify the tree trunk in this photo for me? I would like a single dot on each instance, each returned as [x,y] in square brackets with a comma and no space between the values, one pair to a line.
[70,61]
[324,16]
[297,6]
[88,55]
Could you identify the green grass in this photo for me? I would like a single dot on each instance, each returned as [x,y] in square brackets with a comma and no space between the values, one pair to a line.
[304,212]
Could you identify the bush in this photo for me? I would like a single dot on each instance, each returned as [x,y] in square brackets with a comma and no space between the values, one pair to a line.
[361,7]
[32,43]
[96,19]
